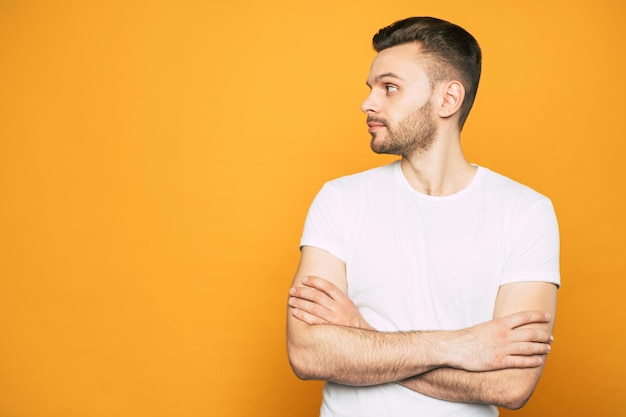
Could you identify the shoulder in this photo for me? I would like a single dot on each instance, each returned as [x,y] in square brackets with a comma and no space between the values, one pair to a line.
[346,196]
[510,192]
[521,208]
[362,181]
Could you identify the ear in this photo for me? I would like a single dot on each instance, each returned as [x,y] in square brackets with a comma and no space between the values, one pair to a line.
[453,95]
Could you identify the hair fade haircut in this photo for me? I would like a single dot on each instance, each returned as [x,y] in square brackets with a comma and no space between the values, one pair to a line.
[452,52]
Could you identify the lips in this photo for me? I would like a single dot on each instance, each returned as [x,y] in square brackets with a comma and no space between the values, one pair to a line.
[374,125]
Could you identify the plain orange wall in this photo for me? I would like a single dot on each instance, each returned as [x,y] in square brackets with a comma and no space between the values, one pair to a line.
[157,160]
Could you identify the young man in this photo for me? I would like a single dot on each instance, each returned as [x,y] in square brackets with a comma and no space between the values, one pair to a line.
[426,287]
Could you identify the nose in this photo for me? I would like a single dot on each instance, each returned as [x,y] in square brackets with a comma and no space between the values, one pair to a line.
[370,105]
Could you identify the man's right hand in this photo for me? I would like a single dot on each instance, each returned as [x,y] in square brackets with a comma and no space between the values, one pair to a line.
[501,343]
[492,345]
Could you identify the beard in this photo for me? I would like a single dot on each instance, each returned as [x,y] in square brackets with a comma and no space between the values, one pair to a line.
[414,133]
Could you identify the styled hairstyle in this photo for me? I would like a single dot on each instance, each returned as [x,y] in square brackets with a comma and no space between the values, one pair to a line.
[452,53]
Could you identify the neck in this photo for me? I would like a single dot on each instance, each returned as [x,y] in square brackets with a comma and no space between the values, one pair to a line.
[440,170]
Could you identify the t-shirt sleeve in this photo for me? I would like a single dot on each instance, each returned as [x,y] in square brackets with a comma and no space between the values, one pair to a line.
[323,225]
[533,246]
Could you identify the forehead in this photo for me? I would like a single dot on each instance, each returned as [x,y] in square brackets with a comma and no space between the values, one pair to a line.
[405,61]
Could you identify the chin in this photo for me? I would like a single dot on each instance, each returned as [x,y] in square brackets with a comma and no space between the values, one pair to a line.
[377,144]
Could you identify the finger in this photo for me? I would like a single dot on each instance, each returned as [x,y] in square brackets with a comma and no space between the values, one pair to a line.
[530,335]
[314,295]
[308,293]
[526,317]
[306,317]
[528,349]
[523,361]
[323,285]
[310,308]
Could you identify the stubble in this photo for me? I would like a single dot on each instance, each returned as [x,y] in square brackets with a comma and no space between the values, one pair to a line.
[413,134]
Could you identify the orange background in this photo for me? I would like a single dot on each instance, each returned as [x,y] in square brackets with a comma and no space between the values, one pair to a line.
[157,160]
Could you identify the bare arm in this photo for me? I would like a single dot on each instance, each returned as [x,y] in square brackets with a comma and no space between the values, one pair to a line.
[509,388]
[357,356]
[344,354]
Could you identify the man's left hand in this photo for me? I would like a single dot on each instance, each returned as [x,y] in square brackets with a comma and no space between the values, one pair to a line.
[318,301]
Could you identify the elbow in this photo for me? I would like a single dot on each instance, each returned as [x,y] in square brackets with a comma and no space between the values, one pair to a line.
[517,395]
[303,351]
[301,364]
[299,367]
[515,403]
[302,372]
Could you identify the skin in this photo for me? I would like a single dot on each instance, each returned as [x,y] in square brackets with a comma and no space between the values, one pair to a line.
[497,362]
[320,302]
[414,133]
[359,356]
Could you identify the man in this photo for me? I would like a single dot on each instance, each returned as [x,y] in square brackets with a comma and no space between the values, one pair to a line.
[426,287]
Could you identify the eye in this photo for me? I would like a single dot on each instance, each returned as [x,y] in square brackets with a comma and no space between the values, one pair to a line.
[390,88]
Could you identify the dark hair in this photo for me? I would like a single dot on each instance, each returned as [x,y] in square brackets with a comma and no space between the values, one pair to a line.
[454,52]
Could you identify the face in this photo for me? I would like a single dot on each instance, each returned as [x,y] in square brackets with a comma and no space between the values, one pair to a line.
[399,109]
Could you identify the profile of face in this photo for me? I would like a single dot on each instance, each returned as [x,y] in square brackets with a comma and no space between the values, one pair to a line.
[399,108]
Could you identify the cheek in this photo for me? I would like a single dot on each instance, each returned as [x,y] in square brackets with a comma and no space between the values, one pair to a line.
[396,116]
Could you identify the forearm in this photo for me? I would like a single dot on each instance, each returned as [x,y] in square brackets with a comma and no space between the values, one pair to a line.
[509,388]
[327,340]
[352,356]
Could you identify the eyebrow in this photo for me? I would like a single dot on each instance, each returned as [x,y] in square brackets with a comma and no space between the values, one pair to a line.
[384,75]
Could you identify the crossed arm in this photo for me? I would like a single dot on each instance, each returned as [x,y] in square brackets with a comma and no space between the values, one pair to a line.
[498,362]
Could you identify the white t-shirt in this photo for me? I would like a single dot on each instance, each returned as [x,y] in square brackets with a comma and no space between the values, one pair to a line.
[418,262]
